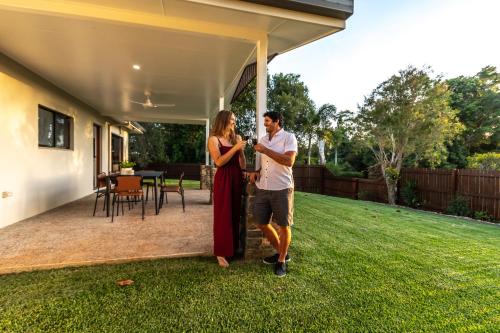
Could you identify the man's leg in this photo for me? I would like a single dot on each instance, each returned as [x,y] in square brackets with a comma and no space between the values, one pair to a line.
[282,206]
[284,242]
[271,235]
[262,215]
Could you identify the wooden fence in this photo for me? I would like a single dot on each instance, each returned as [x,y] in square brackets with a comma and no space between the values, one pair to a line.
[435,188]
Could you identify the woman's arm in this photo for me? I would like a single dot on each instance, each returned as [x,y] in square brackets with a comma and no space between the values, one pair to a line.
[243,160]
[219,159]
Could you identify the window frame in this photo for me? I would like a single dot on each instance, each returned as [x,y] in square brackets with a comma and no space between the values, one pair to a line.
[67,135]
[120,140]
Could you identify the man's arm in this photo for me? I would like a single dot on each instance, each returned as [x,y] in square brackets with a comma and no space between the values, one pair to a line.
[286,159]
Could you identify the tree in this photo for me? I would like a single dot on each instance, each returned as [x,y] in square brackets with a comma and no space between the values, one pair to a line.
[149,147]
[164,143]
[289,95]
[285,94]
[486,161]
[340,133]
[408,113]
[309,120]
[477,99]
[244,109]
[326,116]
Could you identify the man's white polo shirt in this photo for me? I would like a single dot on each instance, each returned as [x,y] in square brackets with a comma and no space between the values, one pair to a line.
[275,176]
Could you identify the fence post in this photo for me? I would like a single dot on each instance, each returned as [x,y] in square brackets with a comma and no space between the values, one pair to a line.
[356,188]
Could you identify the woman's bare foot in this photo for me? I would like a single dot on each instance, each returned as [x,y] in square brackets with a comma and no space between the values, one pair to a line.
[222,262]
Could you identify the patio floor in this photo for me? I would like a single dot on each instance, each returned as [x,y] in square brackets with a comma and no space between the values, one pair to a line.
[70,236]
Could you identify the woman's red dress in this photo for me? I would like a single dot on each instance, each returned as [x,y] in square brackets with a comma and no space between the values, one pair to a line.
[228,184]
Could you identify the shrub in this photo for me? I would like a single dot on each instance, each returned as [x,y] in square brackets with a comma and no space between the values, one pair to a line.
[458,206]
[363,195]
[353,174]
[482,215]
[409,194]
[335,169]
[343,170]
[486,161]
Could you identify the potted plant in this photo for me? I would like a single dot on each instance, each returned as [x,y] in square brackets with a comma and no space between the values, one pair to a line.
[126,168]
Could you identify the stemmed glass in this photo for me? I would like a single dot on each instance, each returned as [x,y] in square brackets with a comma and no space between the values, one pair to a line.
[248,136]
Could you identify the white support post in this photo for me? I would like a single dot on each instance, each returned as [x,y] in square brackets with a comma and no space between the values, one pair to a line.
[207,135]
[261,92]
[221,103]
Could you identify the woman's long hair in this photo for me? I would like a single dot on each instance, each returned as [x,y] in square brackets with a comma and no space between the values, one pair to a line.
[221,126]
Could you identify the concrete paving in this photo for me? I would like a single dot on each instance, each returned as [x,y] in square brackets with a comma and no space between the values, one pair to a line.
[70,236]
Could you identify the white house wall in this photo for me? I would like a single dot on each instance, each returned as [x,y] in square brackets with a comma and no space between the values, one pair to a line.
[34,179]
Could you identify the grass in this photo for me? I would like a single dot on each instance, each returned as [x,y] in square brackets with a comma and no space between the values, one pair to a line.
[186,183]
[356,266]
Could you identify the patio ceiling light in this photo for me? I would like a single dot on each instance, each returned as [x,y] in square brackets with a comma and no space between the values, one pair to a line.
[136,67]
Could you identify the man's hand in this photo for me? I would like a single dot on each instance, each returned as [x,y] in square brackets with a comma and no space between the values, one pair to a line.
[260,148]
[286,159]
[253,176]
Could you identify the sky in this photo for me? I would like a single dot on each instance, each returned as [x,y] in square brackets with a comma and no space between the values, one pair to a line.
[454,37]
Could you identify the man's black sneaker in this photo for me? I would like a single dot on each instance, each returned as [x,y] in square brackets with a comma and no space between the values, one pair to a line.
[271,260]
[280,269]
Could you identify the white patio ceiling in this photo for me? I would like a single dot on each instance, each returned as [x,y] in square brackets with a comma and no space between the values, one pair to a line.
[191,52]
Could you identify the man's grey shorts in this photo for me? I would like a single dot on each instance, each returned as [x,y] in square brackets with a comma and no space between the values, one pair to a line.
[278,203]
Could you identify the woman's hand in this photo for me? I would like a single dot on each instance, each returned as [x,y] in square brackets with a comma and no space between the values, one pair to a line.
[240,144]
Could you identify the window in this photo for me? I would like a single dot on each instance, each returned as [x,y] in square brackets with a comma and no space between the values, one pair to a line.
[53,129]
[116,152]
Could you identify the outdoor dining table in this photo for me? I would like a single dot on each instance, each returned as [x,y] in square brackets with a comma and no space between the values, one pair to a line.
[145,174]
[154,175]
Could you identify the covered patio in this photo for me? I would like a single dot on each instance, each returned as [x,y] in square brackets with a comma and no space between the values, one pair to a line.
[101,66]
[70,236]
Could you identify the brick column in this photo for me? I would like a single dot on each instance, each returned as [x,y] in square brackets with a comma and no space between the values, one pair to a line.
[205,183]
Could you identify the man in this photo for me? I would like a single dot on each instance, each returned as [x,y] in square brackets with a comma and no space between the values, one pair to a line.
[274,188]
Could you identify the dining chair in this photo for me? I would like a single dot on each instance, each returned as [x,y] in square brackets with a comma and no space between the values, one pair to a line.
[127,187]
[102,187]
[173,188]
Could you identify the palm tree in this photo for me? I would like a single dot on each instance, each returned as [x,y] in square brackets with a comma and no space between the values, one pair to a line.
[325,115]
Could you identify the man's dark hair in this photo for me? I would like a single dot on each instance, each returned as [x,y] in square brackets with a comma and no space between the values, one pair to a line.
[275,117]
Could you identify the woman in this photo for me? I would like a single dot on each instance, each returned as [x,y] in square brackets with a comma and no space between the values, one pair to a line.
[226,150]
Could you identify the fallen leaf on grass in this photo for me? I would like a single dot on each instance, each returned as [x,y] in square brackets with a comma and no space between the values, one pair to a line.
[123,283]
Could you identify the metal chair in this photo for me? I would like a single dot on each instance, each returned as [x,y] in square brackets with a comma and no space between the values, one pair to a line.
[173,188]
[127,187]
[102,188]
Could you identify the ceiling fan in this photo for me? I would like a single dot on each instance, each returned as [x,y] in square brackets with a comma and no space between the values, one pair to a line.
[149,104]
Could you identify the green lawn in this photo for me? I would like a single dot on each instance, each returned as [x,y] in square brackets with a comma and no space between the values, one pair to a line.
[186,183]
[356,266]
